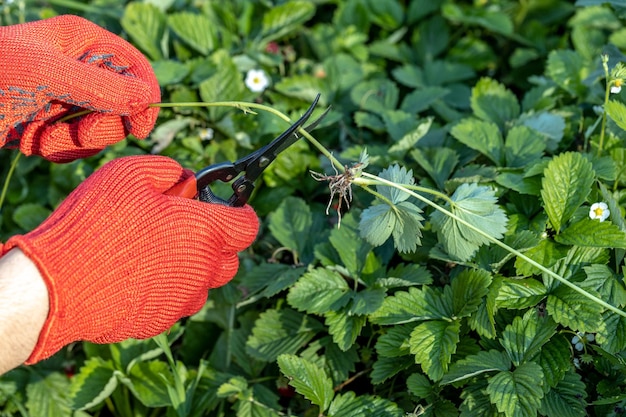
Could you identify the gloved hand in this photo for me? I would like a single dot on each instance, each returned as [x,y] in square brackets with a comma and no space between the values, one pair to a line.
[51,68]
[121,259]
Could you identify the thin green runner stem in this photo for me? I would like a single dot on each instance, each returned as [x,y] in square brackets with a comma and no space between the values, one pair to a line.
[497,242]
[607,91]
[245,107]
[241,105]
[424,190]
[7,180]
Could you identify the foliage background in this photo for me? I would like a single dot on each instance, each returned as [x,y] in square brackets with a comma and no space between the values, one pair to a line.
[500,106]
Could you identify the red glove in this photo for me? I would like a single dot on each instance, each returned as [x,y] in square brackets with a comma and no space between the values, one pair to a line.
[55,67]
[121,259]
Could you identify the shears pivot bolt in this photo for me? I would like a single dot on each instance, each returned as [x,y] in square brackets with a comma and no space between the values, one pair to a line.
[263,162]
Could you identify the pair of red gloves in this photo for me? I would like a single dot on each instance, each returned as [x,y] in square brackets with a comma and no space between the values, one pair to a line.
[120,258]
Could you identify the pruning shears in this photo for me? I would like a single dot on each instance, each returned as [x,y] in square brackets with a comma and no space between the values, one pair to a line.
[252,166]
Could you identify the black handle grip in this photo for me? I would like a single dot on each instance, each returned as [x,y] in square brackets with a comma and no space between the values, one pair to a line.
[207,196]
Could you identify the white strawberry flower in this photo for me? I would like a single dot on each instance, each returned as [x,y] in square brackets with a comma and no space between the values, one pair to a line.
[257,80]
[599,211]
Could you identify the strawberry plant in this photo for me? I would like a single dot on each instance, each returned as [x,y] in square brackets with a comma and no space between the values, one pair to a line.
[450,241]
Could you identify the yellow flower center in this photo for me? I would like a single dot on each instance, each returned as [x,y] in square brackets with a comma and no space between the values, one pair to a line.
[598,211]
[618,82]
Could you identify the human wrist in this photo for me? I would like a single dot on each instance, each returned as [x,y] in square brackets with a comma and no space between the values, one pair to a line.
[23,305]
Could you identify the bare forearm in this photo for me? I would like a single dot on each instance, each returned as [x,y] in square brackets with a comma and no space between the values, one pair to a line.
[23,308]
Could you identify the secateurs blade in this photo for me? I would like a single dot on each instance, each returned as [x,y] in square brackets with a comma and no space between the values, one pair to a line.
[251,166]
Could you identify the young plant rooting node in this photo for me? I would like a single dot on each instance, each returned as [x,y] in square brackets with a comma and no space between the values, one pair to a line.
[340,184]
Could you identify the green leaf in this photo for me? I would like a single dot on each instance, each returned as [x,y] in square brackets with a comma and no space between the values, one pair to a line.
[291,223]
[477,364]
[617,112]
[169,72]
[483,136]
[438,162]
[493,102]
[476,205]
[406,275]
[30,215]
[564,67]
[370,121]
[409,76]
[419,385]
[377,223]
[385,368]
[304,87]
[47,395]
[410,139]
[483,321]
[611,335]
[546,253]
[145,24]
[318,291]
[519,182]
[601,279]
[269,279]
[352,250]
[550,126]
[524,338]
[94,382]
[344,328]
[402,221]
[395,342]
[519,293]
[593,233]
[523,146]
[367,301]
[233,386]
[444,72]
[340,364]
[555,359]
[414,305]
[567,399]
[566,183]
[280,331]
[149,383]
[349,405]
[419,100]
[407,232]
[226,83]
[308,379]
[491,19]
[376,96]
[196,30]
[283,19]
[517,393]
[399,124]
[468,290]
[476,402]
[433,343]
[163,135]
[387,14]
[398,175]
[574,310]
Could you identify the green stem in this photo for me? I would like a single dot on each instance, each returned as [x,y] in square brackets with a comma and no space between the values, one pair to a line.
[423,190]
[607,92]
[375,193]
[497,242]
[7,180]
[245,107]
[229,336]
